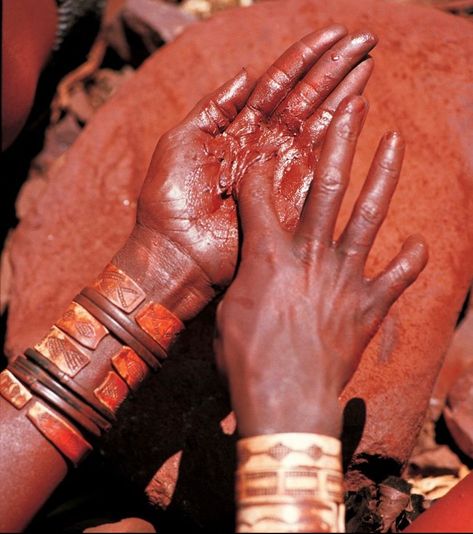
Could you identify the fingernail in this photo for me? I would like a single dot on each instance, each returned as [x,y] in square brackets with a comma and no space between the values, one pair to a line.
[393,137]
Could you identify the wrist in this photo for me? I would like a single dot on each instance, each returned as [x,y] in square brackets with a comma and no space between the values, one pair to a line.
[167,274]
[323,417]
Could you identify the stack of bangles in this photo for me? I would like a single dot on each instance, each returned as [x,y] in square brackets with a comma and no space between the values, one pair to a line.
[43,382]
[284,482]
[290,482]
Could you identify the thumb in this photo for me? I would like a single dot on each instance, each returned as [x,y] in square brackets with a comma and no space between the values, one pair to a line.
[255,199]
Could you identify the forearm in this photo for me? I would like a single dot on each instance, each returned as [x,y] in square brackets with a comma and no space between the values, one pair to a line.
[31,465]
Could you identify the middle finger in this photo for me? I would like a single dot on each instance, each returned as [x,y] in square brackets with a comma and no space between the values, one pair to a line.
[323,78]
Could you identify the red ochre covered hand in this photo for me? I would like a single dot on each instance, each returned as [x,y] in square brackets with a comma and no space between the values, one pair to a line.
[187,197]
[300,312]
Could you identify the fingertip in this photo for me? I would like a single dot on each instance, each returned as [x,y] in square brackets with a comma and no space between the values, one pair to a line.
[394,138]
[337,30]
[365,37]
[242,78]
[237,89]
[366,66]
[250,72]
[418,242]
[355,81]
[418,249]
[330,34]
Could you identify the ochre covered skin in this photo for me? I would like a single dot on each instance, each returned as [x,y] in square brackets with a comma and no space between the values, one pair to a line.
[418,87]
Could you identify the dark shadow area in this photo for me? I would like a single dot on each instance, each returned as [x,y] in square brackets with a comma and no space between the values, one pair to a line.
[443,437]
[464,309]
[377,468]
[354,419]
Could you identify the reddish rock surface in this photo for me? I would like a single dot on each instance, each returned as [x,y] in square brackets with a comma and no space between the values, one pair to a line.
[421,84]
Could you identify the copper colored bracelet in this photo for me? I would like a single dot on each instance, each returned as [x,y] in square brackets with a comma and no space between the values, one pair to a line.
[58,431]
[118,331]
[157,324]
[125,321]
[24,374]
[13,390]
[44,378]
[72,385]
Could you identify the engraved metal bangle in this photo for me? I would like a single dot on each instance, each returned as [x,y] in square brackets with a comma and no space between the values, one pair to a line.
[71,384]
[67,395]
[125,321]
[51,398]
[118,331]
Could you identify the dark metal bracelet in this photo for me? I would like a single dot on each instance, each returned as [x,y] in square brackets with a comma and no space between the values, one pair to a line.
[23,374]
[67,395]
[118,330]
[69,383]
[113,311]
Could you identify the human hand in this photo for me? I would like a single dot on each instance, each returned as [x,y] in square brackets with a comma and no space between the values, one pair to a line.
[300,312]
[187,198]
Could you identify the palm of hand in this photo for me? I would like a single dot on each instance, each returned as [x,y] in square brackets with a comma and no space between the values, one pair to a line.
[187,196]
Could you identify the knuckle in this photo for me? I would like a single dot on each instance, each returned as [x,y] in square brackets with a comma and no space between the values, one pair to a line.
[309,91]
[306,249]
[370,213]
[217,115]
[277,76]
[401,273]
[331,181]
[255,107]
[227,114]
[305,49]
[209,122]
[353,250]
[388,167]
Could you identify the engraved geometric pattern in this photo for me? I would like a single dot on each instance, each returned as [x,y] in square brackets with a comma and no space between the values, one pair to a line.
[279,451]
[61,434]
[314,452]
[80,325]
[119,288]
[130,367]
[159,323]
[112,392]
[272,451]
[13,390]
[299,482]
[58,348]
